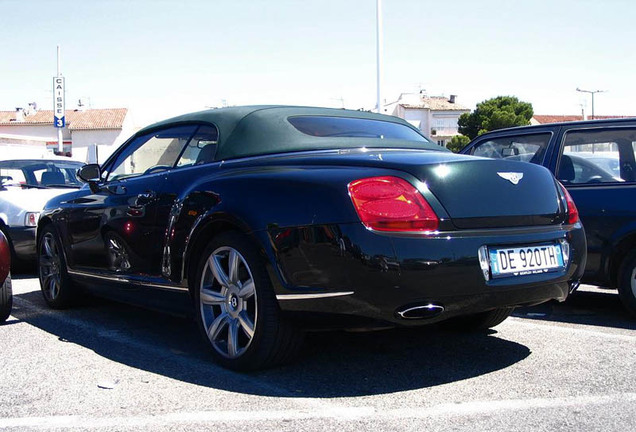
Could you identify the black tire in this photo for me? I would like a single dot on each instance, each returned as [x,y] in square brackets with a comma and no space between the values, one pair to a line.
[239,315]
[57,288]
[6,299]
[479,322]
[627,283]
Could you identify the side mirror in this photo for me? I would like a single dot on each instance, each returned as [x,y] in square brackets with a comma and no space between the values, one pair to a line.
[90,173]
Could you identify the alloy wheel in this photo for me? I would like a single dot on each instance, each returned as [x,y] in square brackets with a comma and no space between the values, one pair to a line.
[227,302]
[50,267]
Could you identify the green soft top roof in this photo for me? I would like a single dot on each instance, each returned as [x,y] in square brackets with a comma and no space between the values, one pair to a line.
[256,130]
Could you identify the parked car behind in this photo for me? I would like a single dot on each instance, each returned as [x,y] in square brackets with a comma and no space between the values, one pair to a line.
[25,186]
[596,162]
[265,221]
[6,296]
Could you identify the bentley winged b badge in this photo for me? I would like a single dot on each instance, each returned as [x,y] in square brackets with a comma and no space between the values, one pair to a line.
[512,177]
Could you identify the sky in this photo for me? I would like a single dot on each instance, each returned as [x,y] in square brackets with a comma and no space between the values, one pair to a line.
[162,58]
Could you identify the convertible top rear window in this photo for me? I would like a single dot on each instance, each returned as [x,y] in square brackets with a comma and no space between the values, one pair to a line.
[326,126]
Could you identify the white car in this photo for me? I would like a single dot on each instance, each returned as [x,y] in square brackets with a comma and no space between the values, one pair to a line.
[25,186]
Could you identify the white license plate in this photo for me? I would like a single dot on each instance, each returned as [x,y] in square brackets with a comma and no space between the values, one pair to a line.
[519,261]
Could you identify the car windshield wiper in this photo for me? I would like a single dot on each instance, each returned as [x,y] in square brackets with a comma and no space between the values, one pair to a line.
[69,186]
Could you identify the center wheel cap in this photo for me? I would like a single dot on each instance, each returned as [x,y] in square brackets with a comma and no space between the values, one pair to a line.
[233,302]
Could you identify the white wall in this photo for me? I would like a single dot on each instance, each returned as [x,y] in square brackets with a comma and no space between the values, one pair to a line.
[445,122]
[107,141]
[33,138]
[41,132]
[418,118]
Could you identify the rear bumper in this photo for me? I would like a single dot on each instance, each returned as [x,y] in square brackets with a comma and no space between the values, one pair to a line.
[348,271]
[23,242]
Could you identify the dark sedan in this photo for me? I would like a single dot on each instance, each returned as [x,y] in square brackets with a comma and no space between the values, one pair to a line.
[596,161]
[270,220]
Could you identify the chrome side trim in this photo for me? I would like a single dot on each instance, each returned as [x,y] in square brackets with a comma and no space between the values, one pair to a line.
[283,297]
[122,279]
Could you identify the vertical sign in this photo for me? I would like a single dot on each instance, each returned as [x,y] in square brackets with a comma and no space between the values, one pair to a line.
[59,120]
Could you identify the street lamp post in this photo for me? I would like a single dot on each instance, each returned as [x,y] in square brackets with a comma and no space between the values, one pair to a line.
[592,93]
[379,52]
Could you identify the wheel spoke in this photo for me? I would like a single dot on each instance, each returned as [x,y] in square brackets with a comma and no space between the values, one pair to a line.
[232,338]
[246,324]
[247,290]
[217,270]
[45,261]
[48,247]
[53,287]
[233,266]
[46,281]
[211,298]
[217,326]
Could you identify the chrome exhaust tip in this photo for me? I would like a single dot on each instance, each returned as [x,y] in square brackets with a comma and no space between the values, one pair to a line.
[574,285]
[427,311]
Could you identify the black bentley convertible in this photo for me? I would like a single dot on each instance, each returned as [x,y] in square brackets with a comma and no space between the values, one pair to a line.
[269,220]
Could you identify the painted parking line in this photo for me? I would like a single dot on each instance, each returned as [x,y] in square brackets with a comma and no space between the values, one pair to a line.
[329,411]
[572,330]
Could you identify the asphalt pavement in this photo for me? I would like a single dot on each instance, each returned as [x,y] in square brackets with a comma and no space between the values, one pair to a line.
[107,366]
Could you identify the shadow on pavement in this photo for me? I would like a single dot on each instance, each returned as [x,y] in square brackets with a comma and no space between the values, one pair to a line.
[331,364]
[601,308]
[23,275]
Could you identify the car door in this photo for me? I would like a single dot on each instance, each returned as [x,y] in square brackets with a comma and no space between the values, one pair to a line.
[117,228]
[195,164]
[597,165]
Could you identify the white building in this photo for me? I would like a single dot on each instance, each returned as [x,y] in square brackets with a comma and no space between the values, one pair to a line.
[30,133]
[435,116]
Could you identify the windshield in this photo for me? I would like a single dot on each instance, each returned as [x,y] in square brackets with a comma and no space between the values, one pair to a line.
[39,173]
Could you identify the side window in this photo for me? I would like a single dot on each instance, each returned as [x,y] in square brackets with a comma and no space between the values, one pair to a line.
[151,153]
[12,176]
[598,156]
[201,148]
[527,148]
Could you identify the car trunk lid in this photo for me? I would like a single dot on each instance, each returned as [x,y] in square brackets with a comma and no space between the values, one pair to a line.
[486,193]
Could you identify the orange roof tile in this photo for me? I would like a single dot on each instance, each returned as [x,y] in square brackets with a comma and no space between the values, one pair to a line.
[543,119]
[90,119]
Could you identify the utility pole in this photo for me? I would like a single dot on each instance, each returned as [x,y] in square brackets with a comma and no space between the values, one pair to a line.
[379,52]
[592,93]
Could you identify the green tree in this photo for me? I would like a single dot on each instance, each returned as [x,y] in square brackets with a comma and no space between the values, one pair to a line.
[457,143]
[496,113]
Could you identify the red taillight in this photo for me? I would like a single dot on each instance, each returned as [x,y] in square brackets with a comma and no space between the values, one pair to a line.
[391,204]
[573,212]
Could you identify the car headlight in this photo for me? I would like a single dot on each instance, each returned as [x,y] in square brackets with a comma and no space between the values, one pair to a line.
[31,219]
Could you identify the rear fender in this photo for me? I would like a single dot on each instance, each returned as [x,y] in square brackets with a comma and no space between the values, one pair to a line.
[623,242]
[254,202]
